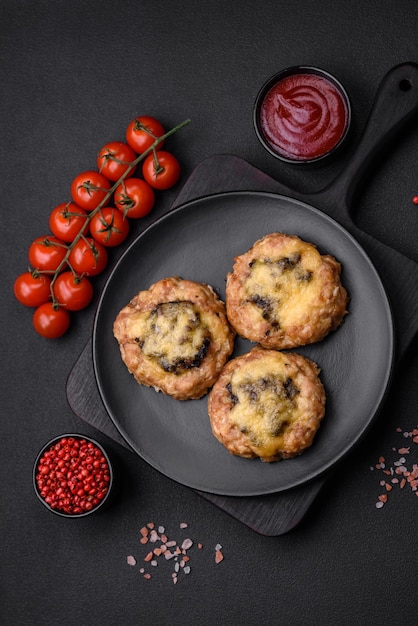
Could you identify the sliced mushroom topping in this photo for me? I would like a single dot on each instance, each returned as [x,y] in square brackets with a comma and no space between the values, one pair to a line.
[264,405]
[272,281]
[175,336]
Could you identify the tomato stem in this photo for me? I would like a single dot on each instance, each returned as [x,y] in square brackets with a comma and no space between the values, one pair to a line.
[110,156]
[157,167]
[80,235]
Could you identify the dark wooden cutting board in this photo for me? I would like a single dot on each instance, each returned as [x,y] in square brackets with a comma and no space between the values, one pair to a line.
[396,103]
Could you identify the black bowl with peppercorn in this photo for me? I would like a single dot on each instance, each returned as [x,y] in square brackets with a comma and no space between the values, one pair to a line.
[73,476]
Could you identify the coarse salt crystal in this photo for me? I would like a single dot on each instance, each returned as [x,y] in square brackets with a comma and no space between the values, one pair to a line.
[218,556]
[131,560]
[187,543]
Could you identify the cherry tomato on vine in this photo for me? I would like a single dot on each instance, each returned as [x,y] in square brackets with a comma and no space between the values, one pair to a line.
[165,173]
[142,132]
[67,220]
[109,227]
[114,158]
[134,197]
[51,321]
[88,257]
[47,253]
[73,292]
[88,189]
[32,289]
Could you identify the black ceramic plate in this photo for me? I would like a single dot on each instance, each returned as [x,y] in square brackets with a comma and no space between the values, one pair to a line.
[198,241]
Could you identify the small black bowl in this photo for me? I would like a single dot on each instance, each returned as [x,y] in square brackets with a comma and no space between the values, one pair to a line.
[327,82]
[67,439]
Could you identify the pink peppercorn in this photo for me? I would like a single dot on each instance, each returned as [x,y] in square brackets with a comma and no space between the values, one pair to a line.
[73,475]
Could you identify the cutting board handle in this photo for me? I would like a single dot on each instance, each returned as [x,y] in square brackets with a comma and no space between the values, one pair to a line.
[395,104]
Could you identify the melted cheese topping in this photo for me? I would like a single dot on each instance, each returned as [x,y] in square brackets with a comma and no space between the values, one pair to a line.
[284,288]
[172,334]
[264,400]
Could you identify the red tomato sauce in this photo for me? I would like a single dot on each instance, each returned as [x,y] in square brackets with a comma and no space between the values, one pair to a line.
[303,117]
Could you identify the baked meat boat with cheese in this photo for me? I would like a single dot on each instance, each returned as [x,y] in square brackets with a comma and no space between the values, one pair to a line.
[175,337]
[267,404]
[283,293]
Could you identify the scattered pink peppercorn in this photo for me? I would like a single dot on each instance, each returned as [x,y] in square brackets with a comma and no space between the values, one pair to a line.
[73,476]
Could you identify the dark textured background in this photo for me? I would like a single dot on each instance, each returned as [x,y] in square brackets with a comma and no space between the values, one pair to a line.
[72,76]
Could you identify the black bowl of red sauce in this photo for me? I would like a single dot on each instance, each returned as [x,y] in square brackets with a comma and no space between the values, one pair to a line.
[73,476]
[302,115]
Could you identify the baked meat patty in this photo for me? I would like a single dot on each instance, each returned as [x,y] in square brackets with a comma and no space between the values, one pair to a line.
[267,404]
[175,337]
[282,293]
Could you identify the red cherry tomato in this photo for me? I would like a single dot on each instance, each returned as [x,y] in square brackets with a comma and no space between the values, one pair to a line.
[142,132]
[161,170]
[109,227]
[47,253]
[32,289]
[88,189]
[114,159]
[134,197]
[88,257]
[51,321]
[73,292]
[67,220]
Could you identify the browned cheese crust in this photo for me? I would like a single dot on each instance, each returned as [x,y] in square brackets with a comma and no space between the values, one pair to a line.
[283,293]
[267,404]
[175,337]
